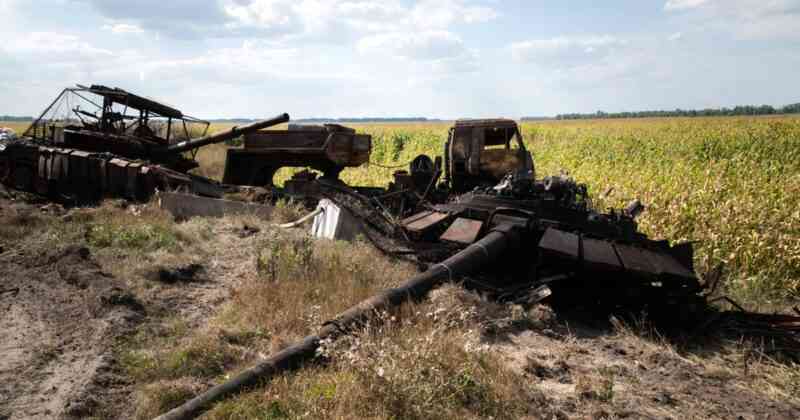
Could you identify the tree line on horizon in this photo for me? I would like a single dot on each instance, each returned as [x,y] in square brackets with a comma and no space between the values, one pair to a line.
[708,112]
[13,118]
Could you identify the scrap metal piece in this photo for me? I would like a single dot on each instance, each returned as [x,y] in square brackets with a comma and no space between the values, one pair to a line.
[667,265]
[184,206]
[560,244]
[635,259]
[423,221]
[462,231]
[600,255]
[334,222]
[329,148]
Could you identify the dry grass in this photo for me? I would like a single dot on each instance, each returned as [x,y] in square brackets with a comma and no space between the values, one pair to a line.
[401,370]
[450,357]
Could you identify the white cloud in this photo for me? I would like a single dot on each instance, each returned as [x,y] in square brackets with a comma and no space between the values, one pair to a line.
[683,4]
[183,19]
[269,14]
[676,36]
[123,28]
[420,31]
[6,6]
[565,51]
[443,13]
[55,47]
[422,34]
[253,62]
[427,55]
[290,19]
[427,45]
[588,63]
[744,19]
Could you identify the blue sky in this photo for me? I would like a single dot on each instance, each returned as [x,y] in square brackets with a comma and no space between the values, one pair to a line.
[443,58]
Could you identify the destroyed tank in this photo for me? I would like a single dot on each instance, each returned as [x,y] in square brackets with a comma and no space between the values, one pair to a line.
[495,228]
[97,141]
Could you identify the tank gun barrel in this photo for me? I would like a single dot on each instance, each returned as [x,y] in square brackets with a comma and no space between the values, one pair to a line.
[470,260]
[225,135]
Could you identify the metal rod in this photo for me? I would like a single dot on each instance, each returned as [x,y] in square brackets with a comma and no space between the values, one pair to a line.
[35,122]
[468,261]
[234,132]
[302,220]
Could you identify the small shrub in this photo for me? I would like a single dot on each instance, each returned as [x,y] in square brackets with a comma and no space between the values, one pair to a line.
[287,259]
[138,236]
[205,356]
[597,386]
[286,211]
[159,397]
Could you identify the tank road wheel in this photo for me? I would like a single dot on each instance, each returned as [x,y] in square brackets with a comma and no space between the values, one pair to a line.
[41,186]
[22,178]
[5,169]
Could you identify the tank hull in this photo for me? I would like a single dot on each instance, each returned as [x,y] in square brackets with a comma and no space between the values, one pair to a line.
[86,176]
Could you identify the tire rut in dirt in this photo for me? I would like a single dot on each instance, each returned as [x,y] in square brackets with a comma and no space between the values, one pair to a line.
[57,333]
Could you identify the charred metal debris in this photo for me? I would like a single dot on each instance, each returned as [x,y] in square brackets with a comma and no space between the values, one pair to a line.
[477,214]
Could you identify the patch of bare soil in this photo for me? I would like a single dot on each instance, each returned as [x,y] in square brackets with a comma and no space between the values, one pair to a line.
[63,317]
[590,373]
[60,315]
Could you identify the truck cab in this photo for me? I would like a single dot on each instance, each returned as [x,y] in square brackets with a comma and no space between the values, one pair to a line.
[480,152]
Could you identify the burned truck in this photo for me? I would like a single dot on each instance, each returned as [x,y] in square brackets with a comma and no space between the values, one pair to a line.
[96,141]
[478,153]
[328,148]
[481,152]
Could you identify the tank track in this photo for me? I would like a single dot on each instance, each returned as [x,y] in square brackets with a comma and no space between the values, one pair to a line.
[79,176]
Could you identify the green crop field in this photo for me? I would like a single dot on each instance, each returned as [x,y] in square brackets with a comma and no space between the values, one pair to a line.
[732,185]
[18,127]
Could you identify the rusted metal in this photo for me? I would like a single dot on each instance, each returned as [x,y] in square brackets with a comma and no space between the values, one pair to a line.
[472,161]
[462,231]
[184,206]
[224,135]
[97,141]
[422,223]
[329,148]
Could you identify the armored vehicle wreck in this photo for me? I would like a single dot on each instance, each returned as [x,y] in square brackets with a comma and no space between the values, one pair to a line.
[328,148]
[98,141]
[491,226]
[482,152]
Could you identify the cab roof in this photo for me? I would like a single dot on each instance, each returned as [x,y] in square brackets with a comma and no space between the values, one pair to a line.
[486,123]
[134,101]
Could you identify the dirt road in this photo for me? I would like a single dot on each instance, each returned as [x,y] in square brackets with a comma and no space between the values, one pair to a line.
[60,316]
